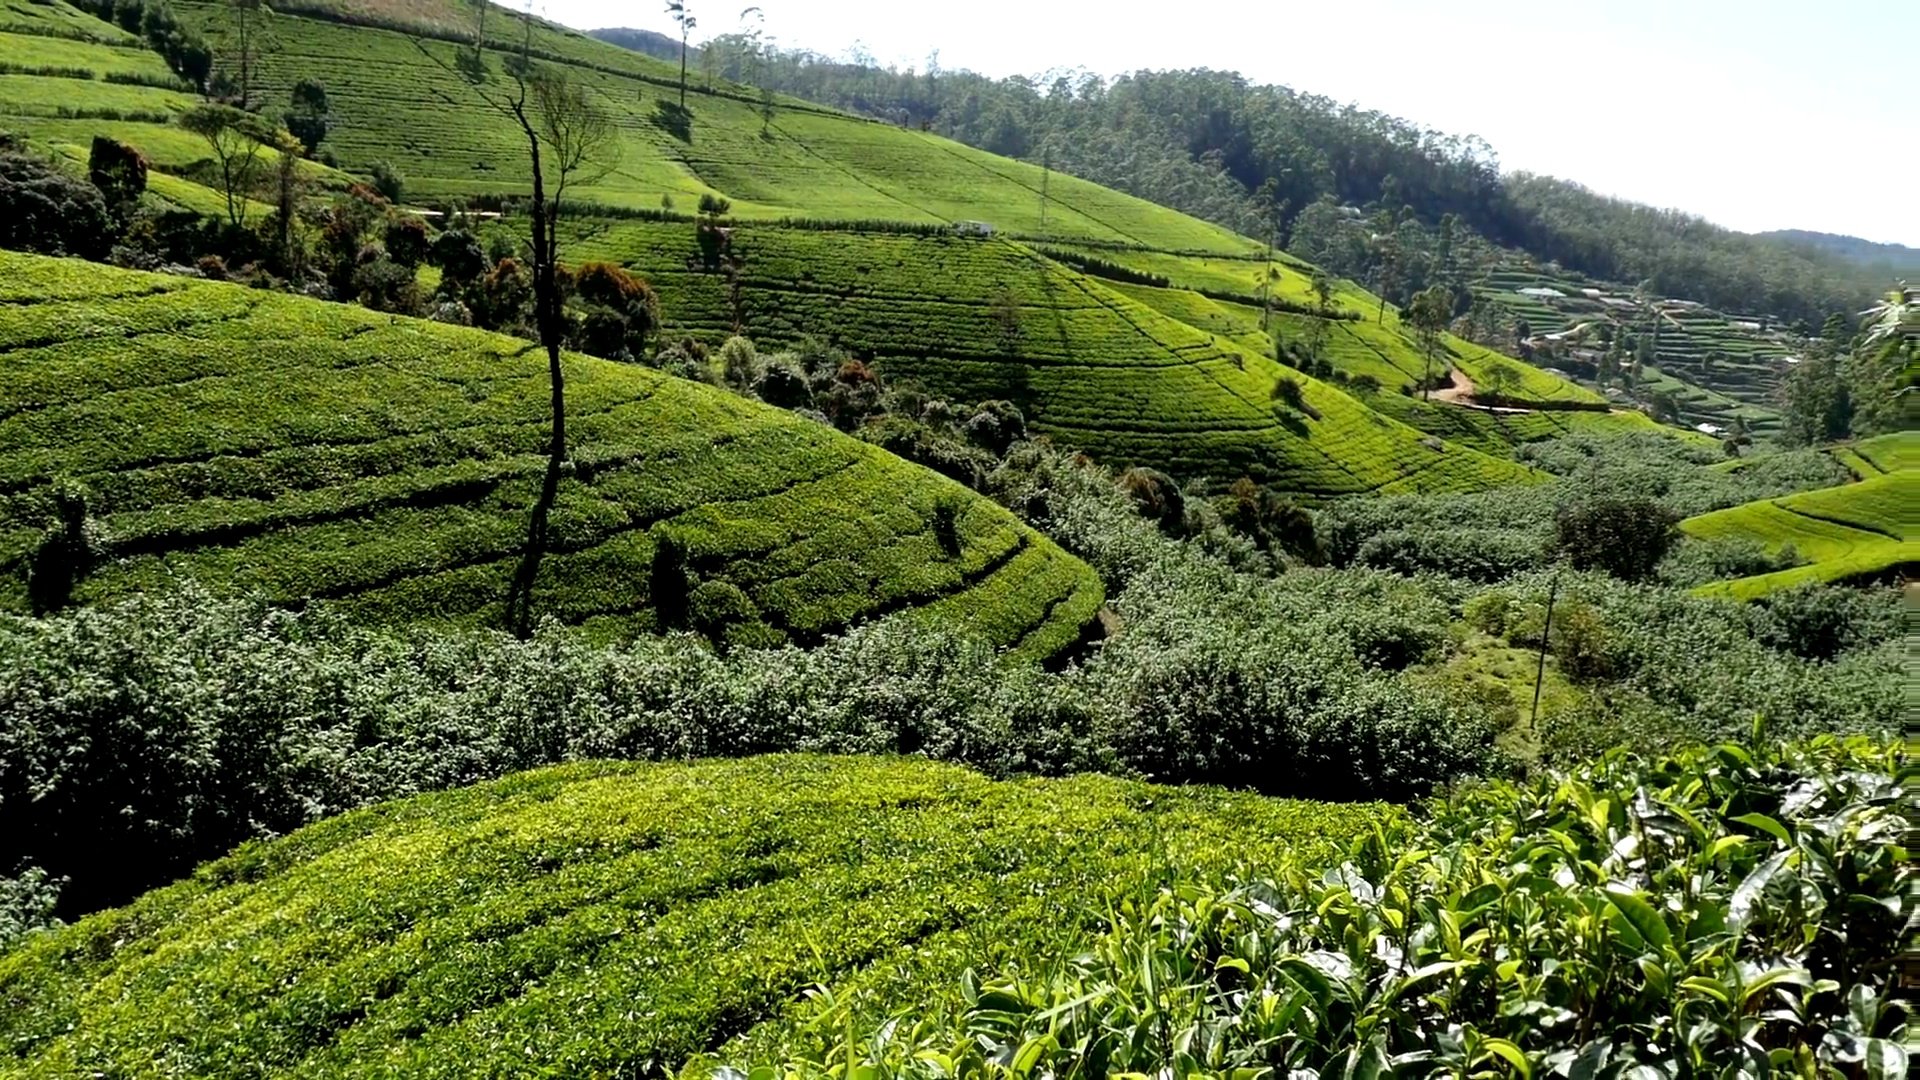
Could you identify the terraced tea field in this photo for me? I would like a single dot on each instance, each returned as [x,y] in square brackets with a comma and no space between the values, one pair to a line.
[1716,367]
[612,919]
[387,465]
[974,319]
[1850,531]
[1152,376]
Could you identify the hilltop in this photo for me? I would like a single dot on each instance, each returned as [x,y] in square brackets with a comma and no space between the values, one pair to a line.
[1893,257]
[386,465]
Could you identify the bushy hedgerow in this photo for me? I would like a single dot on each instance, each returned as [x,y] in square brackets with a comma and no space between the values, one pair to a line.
[144,737]
[1488,536]
[43,209]
[1659,666]
[138,739]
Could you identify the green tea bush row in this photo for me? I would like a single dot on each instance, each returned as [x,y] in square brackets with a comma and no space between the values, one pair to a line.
[611,918]
[1724,912]
[165,730]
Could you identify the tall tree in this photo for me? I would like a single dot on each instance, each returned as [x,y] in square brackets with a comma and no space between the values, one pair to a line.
[247,14]
[1385,244]
[236,139]
[568,137]
[679,12]
[567,133]
[1431,310]
[311,115]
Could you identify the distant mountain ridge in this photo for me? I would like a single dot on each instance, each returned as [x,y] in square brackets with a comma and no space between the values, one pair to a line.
[647,42]
[1851,248]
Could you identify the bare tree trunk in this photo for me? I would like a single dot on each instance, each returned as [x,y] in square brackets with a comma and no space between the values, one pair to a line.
[683,70]
[546,303]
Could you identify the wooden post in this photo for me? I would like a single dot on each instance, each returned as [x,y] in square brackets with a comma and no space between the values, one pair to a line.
[1546,636]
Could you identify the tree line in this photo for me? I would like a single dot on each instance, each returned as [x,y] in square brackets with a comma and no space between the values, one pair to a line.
[1218,146]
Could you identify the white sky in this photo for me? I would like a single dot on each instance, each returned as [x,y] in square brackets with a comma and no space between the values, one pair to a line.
[1757,114]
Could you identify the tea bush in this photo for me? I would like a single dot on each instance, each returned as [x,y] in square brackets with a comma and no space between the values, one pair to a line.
[1723,912]
[144,737]
[610,919]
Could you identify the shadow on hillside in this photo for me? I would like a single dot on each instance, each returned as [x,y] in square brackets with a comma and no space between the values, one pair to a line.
[519,603]
[674,119]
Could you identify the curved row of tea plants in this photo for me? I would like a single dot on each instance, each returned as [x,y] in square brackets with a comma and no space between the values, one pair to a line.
[157,428]
[974,319]
[1719,913]
[610,919]
[1857,530]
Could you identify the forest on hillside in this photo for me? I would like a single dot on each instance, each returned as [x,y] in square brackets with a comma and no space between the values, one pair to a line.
[1259,158]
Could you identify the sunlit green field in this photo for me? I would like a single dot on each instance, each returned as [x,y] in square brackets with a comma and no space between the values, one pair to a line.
[311,450]
[613,919]
[1843,532]
[1164,377]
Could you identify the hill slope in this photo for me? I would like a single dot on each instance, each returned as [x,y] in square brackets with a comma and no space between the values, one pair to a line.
[610,919]
[314,450]
[1136,378]
[1891,257]
[1852,531]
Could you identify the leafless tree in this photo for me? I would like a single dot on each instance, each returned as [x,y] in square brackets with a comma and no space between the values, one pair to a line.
[570,138]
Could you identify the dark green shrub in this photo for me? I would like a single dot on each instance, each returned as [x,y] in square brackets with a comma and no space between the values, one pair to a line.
[406,241]
[1819,622]
[714,607]
[311,116]
[44,210]
[1158,498]
[946,524]
[388,182]
[1471,554]
[27,904]
[921,443]
[460,258]
[616,311]
[119,171]
[1624,537]
[995,426]
[670,583]
[1582,641]
[781,386]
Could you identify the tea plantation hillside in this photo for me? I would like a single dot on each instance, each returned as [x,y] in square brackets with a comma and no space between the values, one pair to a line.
[978,318]
[1716,367]
[1857,530]
[612,919]
[157,427]
[1164,377]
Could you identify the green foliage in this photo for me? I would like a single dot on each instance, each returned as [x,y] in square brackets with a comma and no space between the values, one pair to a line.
[1722,912]
[1853,531]
[311,117]
[27,904]
[119,171]
[43,209]
[1625,537]
[611,918]
[388,181]
[320,452]
[1662,667]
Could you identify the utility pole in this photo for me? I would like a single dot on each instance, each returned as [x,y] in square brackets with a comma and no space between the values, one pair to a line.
[1046,173]
[1546,635]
